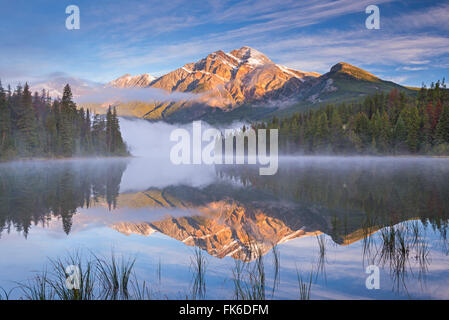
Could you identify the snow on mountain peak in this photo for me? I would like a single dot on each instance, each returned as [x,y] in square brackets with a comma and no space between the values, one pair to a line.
[250,56]
[128,81]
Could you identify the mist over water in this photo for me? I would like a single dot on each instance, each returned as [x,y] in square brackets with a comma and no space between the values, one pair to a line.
[152,139]
[107,94]
[148,139]
[149,143]
[148,207]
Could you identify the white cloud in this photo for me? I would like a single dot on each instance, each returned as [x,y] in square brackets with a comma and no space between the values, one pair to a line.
[112,95]
[433,17]
[397,79]
[407,68]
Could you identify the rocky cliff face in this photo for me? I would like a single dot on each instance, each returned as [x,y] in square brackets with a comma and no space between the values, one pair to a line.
[226,79]
[222,228]
[128,81]
[221,223]
[222,82]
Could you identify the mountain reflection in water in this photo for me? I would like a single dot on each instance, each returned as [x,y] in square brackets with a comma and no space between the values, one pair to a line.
[232,211]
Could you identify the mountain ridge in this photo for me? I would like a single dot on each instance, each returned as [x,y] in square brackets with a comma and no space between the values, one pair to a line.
[244,84]
[225,79]
[128,81]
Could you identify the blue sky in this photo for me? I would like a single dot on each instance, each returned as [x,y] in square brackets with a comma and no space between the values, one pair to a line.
[118,37]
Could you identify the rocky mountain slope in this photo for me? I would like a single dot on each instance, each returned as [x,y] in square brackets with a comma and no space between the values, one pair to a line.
[55,86]
[243,84]
[224,222]
[226,79]
[223,229]
[246,84]
[128,81]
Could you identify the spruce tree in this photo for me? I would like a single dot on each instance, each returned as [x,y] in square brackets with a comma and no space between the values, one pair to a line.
[88,139]
[400,134]
[362,128]
[413,128]
[26,124]
[5,123]
[385,134]
[321,133]
[109,133]
[337,134]
[442,130]
[119,147]
[67,121]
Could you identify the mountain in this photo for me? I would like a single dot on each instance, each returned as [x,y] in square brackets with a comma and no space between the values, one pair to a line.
[222,229]
[342,82]
[225,226]
[223,81]
[243,84]
[246,84]
[230,79]
[227,79]
[128,81]
[55,86]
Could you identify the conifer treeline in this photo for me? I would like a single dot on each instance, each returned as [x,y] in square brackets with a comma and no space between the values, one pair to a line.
[32,194]
[382,124]
[37,126]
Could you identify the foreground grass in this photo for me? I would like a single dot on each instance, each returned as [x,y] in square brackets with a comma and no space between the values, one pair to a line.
[80,277]
[90,277]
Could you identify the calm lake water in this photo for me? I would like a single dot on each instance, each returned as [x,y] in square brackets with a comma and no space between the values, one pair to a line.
[326,216]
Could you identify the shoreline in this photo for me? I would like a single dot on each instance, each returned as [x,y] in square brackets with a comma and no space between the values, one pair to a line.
[281,157]
[64,159]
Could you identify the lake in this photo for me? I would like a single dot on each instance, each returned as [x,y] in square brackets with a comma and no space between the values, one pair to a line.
[320,221]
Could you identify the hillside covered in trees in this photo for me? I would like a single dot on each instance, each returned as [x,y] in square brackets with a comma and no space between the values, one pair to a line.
[37,126]
[382,124]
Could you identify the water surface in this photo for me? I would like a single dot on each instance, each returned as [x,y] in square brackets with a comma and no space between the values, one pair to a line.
[328,216]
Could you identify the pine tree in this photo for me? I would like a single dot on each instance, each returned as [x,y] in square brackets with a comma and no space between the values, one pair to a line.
[362,128]
[426,133]
[385,134]
[33,125]
[5,123]
[321,133]
[442,130]
[413,128]
[119,147]
[109,133]
[400,134]
[88,139]
[436,114]
[26,123]
[67,128]
[337,133]
[51,131]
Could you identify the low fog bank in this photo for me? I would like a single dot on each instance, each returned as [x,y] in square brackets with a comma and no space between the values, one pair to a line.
[150,145]
[144,173]
[359,160]
[147,139]
[152,139]
[110,95]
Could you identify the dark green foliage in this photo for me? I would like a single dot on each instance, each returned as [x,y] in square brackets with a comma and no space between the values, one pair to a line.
[5,123]
[26,124]
[442,129]
[32,192]
[36,126]
[382,124]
